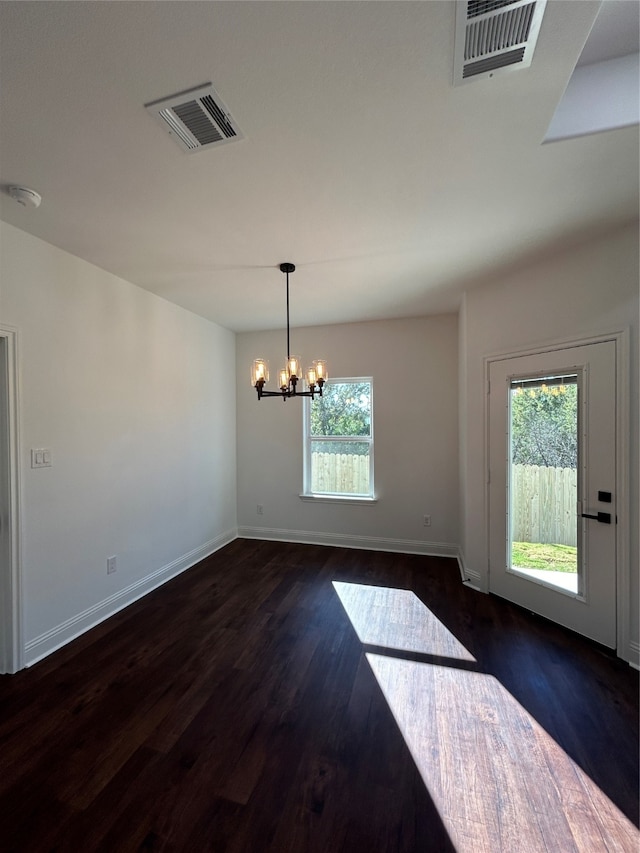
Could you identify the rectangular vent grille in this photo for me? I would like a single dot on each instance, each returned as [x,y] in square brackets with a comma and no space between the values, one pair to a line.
[488,35]
[191,114]
[494,36]
[481,7]
[196,119]
[493,62]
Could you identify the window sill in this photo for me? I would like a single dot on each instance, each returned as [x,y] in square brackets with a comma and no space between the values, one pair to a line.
[339,499]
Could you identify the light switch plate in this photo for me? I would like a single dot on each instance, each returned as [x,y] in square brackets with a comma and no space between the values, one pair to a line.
[41,457]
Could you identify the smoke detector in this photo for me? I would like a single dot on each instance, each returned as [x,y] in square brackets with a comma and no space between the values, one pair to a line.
[25,196]
[495,36]
[196,119]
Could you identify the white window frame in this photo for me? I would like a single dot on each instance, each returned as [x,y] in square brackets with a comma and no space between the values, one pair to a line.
[308,440]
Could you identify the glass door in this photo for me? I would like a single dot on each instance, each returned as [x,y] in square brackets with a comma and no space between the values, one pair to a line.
[552,485]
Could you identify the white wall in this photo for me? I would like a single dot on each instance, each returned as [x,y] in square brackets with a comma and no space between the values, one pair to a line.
[414,368]
[590,289]
[132,395]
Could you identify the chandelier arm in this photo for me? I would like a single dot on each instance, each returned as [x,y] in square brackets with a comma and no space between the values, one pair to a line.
[317,392]
[283,394]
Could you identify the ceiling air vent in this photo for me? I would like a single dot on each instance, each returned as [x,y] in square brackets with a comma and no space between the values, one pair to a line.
[495,36]
[196,119]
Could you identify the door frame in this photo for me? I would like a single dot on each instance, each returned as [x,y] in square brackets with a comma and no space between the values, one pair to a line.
[623,425]
[11,637]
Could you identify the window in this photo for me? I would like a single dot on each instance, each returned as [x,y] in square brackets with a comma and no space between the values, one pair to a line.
[339,440]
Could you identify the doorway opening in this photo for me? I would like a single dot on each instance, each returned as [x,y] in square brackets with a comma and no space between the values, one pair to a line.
[587,603]
[10,597]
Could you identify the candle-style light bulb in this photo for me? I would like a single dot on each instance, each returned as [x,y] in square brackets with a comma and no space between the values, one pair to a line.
[321,369]
[293,366]
[259,371]
[311,376]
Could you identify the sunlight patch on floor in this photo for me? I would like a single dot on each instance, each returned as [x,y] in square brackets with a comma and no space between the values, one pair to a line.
[493,772]
[397,619]
[499,781]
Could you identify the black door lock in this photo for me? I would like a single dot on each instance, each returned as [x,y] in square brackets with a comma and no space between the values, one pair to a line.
[602,517]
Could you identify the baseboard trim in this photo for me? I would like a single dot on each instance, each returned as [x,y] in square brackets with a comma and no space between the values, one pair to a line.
[634,655]
[343,540]
[57,637]
[47,643]
[469,577]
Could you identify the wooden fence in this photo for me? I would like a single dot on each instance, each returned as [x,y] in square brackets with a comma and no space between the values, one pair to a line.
[340,472]
[544,504]
[544,499]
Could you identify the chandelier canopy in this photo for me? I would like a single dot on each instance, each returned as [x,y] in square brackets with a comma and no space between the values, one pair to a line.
[290,375]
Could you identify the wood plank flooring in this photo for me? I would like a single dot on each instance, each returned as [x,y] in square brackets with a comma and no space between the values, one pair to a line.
[298,698]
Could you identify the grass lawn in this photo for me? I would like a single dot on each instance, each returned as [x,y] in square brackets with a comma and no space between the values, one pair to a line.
[554,558]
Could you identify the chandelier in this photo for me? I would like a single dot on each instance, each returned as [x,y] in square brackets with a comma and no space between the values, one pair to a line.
[290,375]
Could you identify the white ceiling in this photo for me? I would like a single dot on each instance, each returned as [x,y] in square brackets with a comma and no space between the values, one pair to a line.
[614,33]
[389,188]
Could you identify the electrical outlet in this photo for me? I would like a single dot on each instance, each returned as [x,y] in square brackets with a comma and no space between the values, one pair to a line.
[260,509]
[427,521]
[111,565]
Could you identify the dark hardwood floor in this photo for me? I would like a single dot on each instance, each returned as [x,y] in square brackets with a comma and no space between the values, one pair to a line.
[298,698]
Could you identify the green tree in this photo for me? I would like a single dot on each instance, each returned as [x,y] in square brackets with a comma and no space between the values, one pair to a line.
[544,426]
[343,409]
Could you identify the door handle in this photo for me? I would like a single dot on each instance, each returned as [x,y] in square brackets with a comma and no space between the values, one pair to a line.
[602,517]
